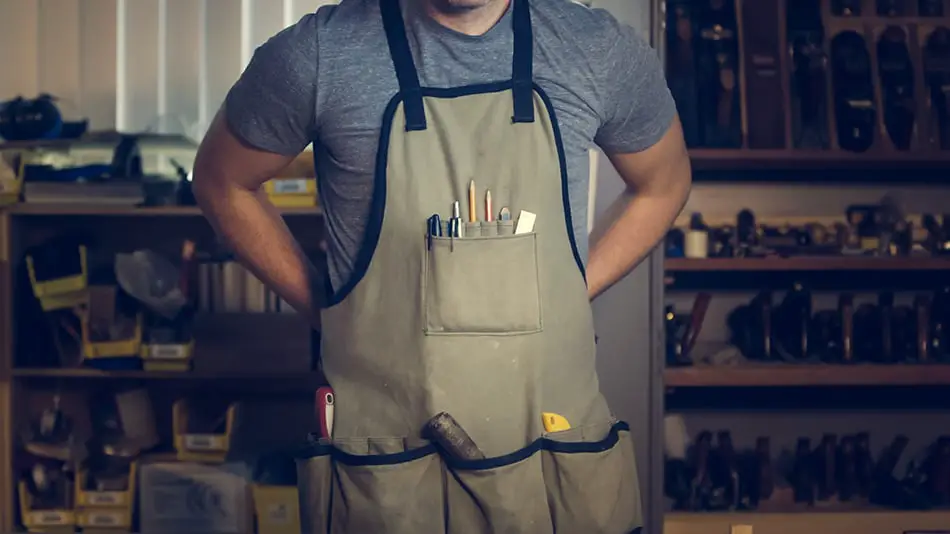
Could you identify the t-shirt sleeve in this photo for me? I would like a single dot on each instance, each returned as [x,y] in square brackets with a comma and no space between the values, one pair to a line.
[637,108]
[272,106]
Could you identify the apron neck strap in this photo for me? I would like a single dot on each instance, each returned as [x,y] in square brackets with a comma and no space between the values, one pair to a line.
[521,68]
[408,77]
[403,63]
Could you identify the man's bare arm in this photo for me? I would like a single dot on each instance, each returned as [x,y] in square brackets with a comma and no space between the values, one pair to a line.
[227,183]
[658,182]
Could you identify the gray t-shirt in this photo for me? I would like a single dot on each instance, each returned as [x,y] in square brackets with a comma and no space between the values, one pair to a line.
[328,79]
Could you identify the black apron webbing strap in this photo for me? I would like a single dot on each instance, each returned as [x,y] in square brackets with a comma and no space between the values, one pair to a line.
[521,62]
[521,70]
[404,65]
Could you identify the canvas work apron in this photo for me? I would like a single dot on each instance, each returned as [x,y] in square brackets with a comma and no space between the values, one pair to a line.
[492,327]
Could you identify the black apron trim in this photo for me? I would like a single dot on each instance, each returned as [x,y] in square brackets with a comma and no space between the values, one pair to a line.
[522,62]
[374,225]
[403,64]
[318,450]
[408,76]
[565,189]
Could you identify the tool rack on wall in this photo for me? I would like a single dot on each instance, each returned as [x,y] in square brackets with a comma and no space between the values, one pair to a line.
[782,401]
[26,388]
[795,85]
[804,92]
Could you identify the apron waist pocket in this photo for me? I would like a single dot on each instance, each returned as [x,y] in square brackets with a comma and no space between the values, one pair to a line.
[581,480]
[592,486]
[363,485]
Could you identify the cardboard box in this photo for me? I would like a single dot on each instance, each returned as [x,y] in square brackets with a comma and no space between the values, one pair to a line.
[190,498]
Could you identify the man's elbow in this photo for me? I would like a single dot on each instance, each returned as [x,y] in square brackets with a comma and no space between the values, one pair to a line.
[682,178]
[203,185]
[209,184]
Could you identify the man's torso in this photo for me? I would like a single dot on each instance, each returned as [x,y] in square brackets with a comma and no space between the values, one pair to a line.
[356,80]
[584,61]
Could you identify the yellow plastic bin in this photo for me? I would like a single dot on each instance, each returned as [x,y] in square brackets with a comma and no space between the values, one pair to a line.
[292,192]
[60,293]
[207,448]
[44,521]
[119,348]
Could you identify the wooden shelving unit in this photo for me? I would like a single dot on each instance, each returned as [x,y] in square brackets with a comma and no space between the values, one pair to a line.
[712,392]
[124,211]
[82,373]
[744,158]
[807,263]
[128,228]
[789,375]
[712,165]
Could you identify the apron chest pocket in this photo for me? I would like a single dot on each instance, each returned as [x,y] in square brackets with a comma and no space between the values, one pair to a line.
[482,285]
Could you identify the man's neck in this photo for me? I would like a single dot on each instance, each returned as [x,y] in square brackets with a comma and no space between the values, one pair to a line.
[474,20]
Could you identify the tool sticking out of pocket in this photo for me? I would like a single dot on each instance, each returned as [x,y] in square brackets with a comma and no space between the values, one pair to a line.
[525,222]
[445,430]
[554,422]
[325,402]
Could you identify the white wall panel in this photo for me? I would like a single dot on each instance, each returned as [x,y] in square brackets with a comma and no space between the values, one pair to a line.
[223,52]
[183,38]
[163,65]
[305,7]
[18,48]
[138,65]
[97,62]
[58,52]
[266,19]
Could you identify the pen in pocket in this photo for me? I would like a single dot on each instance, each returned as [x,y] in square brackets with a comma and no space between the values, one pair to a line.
[455,223]
[435,228]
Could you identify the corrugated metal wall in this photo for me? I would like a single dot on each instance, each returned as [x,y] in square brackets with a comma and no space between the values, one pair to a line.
[162,65]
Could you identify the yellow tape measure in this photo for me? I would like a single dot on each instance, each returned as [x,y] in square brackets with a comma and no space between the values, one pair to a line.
[554,422]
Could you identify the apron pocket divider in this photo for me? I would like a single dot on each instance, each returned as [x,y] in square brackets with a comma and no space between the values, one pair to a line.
[484,285]
[502,494]
[370,485]
[473,229]
[592,486]
[379,488]
[489,229]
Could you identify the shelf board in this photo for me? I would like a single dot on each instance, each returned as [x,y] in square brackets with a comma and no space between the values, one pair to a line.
[807,263]
[748,159]
[126,211]
[805,511]
[103,140]
[790,375]
[88,373]
[814,521]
